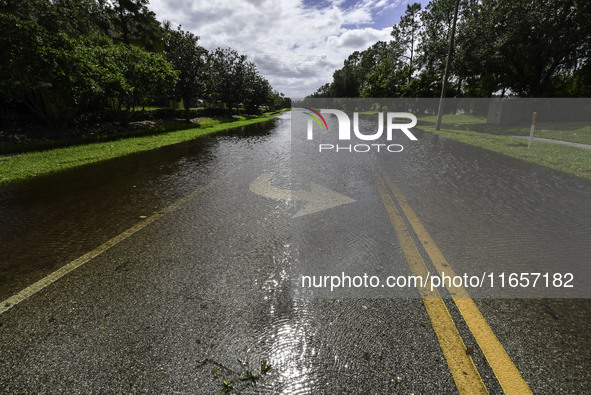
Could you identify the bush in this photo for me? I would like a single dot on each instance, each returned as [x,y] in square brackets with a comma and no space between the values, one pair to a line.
[59,77]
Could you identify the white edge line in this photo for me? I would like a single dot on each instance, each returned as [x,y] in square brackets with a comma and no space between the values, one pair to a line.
[32,289]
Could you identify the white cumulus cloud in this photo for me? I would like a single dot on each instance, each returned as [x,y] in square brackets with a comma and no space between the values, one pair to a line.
[295,44]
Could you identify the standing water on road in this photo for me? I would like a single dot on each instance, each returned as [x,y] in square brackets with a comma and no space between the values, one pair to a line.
[206,289]
[49,221]
[491,215]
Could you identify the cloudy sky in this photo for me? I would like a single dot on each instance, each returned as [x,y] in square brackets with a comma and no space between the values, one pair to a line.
[296,44]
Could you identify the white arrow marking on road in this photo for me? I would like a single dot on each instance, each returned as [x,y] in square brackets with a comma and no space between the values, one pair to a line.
[318,199]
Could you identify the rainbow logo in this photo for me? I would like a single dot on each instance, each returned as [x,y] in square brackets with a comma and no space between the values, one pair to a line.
[316,118]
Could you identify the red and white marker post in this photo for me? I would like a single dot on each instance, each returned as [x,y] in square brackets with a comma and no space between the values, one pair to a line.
[531,130]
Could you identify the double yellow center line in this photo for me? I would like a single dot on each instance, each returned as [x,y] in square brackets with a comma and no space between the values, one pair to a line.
[461,365]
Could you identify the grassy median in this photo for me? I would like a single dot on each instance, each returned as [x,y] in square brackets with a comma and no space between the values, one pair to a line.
[23,166]
[474,131]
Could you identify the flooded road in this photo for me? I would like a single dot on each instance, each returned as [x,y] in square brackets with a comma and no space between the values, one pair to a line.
[52,220]
[200,299]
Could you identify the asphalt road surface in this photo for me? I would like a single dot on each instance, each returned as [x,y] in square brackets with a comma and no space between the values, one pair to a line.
[183,270]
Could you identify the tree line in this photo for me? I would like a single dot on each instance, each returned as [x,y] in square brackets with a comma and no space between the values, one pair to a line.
[528,48]
[65,59]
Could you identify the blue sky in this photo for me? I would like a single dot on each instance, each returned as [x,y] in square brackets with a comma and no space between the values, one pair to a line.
[296,44]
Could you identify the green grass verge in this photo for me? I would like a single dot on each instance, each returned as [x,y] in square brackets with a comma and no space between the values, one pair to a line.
[23,166]
[455,119]
[574,132]
[570,160]
[44,145]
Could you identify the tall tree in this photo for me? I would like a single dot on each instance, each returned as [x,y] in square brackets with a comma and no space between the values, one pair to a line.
[436,22]
[74,17]
[58,76]
[133,19]
[384,72]
[323,91]
[258,91]
[230,78]
[406,33]
[182,50]
[525,44]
